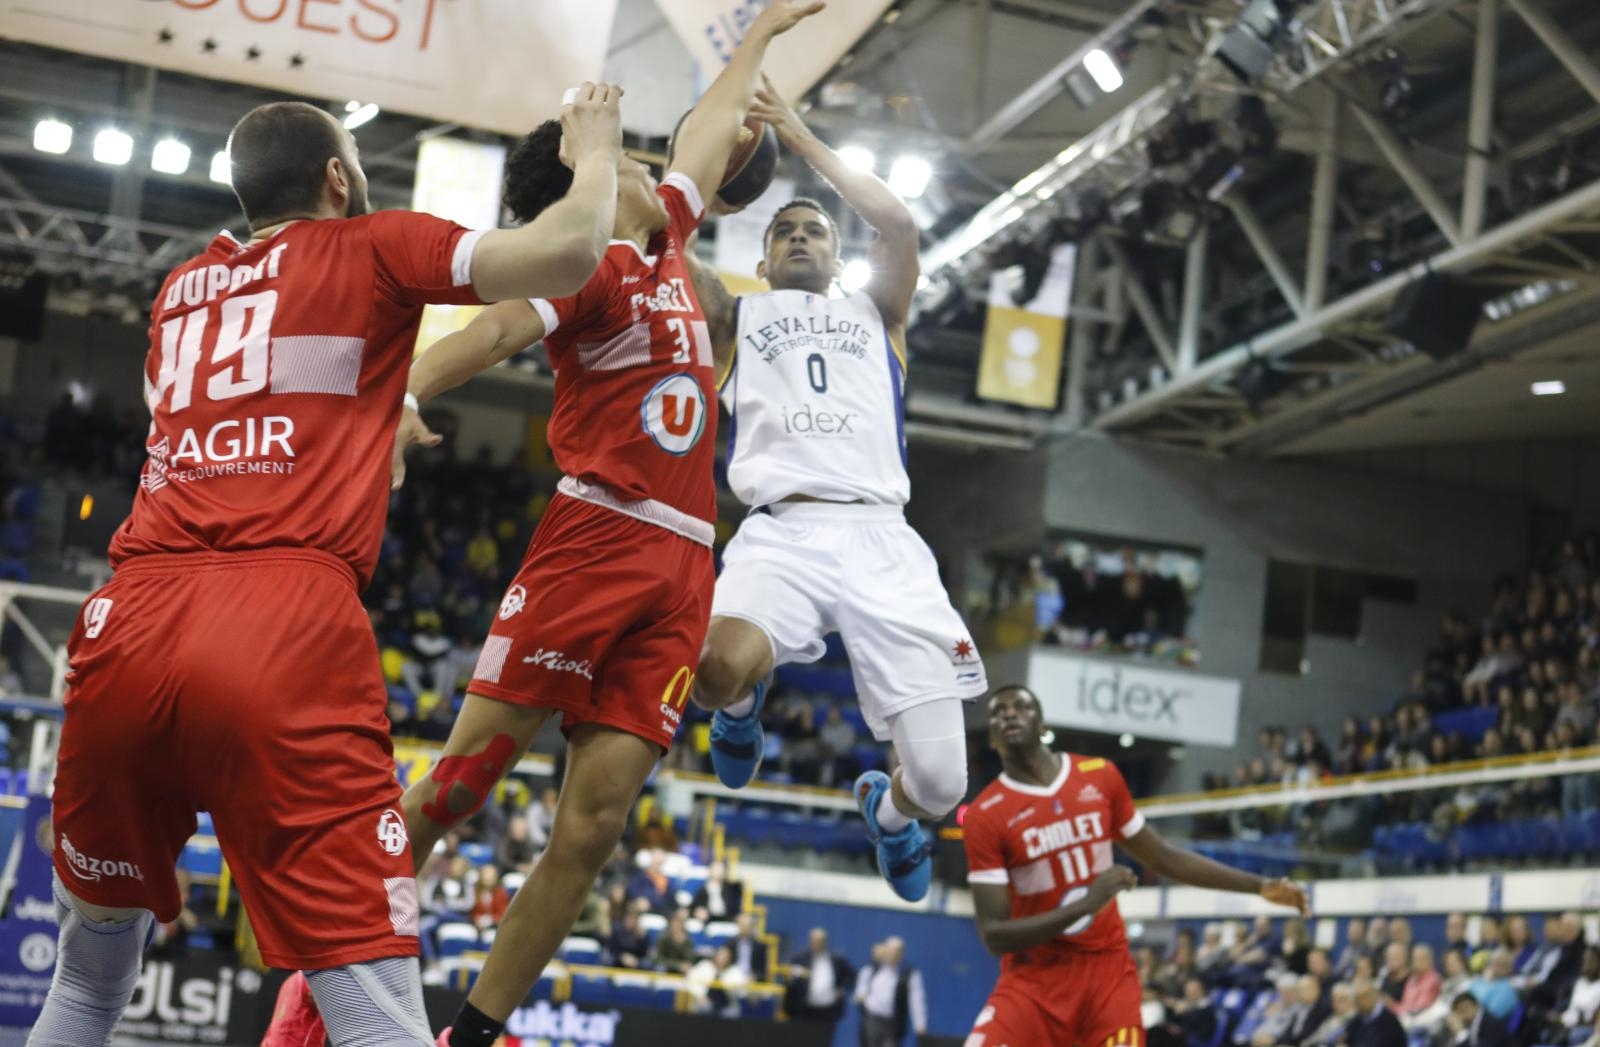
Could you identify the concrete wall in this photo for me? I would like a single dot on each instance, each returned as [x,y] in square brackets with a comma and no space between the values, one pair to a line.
[1560,475]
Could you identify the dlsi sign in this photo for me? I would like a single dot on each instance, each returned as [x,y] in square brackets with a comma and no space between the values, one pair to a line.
[1114,697]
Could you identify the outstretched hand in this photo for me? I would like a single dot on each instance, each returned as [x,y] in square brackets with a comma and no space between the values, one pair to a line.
[1287,893]
[784,15]
[411,430]
[770,108]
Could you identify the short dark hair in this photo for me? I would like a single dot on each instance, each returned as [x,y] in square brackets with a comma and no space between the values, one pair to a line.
[278,154]
[800,201]
[1019,688]
[1465,997]
[535,175]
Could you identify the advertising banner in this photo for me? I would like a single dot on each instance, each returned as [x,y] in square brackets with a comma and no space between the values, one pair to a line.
[1112,697]
[711,29]
[28,919]
[1020,362]
[495,64]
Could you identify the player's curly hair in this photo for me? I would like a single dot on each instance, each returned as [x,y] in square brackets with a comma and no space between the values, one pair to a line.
[535,175]
[801,201]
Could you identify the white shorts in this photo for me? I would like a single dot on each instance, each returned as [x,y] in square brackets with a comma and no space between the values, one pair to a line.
[799,571]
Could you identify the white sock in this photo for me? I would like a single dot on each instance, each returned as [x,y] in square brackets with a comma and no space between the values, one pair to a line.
[743,707]
[890,820]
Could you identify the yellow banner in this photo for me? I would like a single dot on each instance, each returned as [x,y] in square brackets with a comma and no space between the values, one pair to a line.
[1022,342]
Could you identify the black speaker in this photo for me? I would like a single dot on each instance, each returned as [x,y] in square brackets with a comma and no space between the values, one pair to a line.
[1437,314]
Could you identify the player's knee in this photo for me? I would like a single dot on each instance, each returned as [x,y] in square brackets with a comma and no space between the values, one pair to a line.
[719,680]
[933,780]
[593,834]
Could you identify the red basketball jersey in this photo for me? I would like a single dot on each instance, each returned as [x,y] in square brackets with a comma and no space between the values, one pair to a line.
[635,383]
[274,380]
[1048,843]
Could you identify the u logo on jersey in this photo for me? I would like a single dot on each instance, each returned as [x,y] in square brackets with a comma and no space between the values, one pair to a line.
[674,414]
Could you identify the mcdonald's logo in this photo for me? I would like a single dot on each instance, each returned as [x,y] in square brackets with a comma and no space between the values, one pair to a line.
[676,694]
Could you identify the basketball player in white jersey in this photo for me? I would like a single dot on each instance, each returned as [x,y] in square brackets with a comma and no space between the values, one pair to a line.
[814,389]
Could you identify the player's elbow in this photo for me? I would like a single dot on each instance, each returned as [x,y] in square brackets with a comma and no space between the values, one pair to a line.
[992,943]
[573,260]
[898,226]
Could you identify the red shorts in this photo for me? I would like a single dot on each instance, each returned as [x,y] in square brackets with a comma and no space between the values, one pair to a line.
[246,685]
[604,622]
[1088,999]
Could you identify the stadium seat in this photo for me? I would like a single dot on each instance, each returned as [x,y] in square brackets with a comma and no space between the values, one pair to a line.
[719,931]
[455,939]
[578,949]
[479,854]
[513,882]
[592,988]
[652,924]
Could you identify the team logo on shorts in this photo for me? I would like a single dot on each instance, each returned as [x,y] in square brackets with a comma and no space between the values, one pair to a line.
[674,414]
[515,600]
[392,832]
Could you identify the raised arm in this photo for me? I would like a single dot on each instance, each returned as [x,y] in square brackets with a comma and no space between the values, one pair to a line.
[707,137]
[718,305]
[894,256]
[556,253]
[498,333]
[1002,934]
[1176,863]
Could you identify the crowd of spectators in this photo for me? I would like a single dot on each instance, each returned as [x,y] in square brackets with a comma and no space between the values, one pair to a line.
[1089,598]
[1522,679]
[1497,987]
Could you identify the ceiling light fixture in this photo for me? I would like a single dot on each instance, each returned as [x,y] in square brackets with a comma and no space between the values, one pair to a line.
[52,136]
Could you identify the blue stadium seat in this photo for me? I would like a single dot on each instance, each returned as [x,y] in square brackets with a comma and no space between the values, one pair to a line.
[592,988]
[760,1007]
[479,854]
[578,949]
[455,939]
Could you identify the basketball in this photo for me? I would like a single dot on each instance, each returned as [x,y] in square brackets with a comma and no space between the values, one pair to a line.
[751,166]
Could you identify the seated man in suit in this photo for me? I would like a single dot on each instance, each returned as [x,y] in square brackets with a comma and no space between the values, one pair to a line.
[750,953]
[1472,1026]
[1374,1024]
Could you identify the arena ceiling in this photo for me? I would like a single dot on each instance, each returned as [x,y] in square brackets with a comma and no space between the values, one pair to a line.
[977,88]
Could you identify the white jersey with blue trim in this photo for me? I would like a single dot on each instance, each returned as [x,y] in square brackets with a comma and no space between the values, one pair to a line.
[816,402]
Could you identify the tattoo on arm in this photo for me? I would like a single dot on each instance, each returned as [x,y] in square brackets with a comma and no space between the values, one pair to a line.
[715,302]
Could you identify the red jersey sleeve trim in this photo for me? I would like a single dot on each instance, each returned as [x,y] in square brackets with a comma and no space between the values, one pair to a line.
[1135,824]
[691,192]
[989,877]
[547,313]
[461,260]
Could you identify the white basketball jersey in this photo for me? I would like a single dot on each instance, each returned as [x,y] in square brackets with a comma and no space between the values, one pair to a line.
[815,402]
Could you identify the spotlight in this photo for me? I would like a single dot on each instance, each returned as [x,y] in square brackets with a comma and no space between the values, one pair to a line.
[113,147]
[1252,130]
[1126,741]
[170,156]
[858,157]
[360,115]
[52,136]
[909,177]
[1168,215]
[221,168]
[1248,48]
[1552,388]
[1103,68]
[1177,138]
[856,273]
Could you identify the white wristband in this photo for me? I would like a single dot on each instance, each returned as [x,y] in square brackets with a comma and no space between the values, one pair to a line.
[411,402]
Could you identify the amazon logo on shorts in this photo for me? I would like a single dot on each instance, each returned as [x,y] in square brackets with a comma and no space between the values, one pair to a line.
[91,869]
[676,695]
